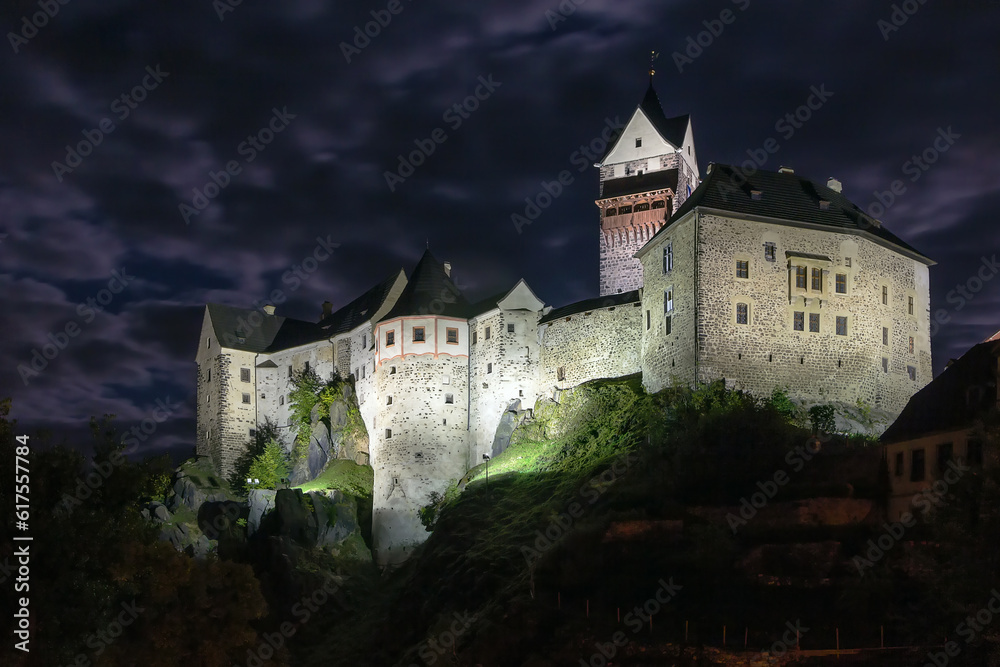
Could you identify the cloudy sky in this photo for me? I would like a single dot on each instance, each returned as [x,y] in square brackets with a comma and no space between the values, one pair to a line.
[115,115]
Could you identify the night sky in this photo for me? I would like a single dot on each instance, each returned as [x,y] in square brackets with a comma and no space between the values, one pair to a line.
[336,110]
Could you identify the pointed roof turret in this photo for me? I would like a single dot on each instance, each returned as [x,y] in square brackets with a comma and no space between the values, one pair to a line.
[430,292]
[671,130]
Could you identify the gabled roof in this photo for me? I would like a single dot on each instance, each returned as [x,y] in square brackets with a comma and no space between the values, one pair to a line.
[360,310]
[429,292]
[665,179]
[783,196]
[231,324]
[519,290]
[671,130]
[591,304]
[953,400]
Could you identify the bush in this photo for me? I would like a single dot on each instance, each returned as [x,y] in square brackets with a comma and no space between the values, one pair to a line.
[270,467]
[823,418]
[265,433]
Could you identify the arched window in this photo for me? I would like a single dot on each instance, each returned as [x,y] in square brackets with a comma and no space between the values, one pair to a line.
[610,212]
[622,210]
[659,203]
[642,207]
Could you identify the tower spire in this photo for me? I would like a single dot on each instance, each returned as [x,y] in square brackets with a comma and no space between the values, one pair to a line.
[653,55]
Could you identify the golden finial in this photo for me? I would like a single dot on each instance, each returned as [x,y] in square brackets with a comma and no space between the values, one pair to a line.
[653,55]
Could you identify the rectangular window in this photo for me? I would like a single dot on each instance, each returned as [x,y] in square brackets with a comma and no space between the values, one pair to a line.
[363,372]
[388,400]
[668,257]
[770,252]
[909,305]
[912,372]
[974,452]
[668,301]
[885,295]
[841,283]
[487,333]
[451,336]
[885,364]
[742,313]
[208,342]
[392,370]
[449,398]
[899,464]
[945,453]
[390,338]
[742,268]
[281,400]
[245,374]
[667,325]
[289,371]
[364,341]
[847,261]
[305,367]
[418,334]
[638,142]
[917,465]
[799,320]
[208,375]
[510,328]
[885,335]
[814,322]
[388,433]
[474,337]
[489,368]
[817,279]
[246,398]
[800,277]
[911,344]
[561,373]
[841,325]
[647,320]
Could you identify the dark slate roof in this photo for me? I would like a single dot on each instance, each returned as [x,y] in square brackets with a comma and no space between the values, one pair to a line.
[360,310]
[429,292]
[294,333]
[231,323]
[630,185]
[487,304]
[784,196]
[671,129]
[953,400]
[591,304]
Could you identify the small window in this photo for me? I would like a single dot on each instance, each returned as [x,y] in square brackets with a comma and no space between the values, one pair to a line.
[510,328]
[638,143]
[800,277]
[659,203]
[841,325]
[357,374]
[668,301]
[392,370]
[446,379]
[208,375]
[847,261]
[418,455]
[647,320]
[451,336]
[418,334]
[755,195]
[885,364]
[899,464]
[668,257]
[208,342]
[912,372]
[885,295]
[770,252]
[622,210]
[390,338]
[245,374]
[909,305]
[917,465]
[824,205]
[289,371]
[253,432]
[388,434]
[742,268]
[444,422]
[742,313]
[885,335]
[305,367]
[281,400]
[561,373]
[487,336]
[489,368]
[449,398]
[911,344]
[814,322]
[388,400]
[817,279]
[841,283]
[474,337]
[364,341]
[610,212]
[799,320]
[667,325]
[246,398]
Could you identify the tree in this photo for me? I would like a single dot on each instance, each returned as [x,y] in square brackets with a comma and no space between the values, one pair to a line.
[270,467]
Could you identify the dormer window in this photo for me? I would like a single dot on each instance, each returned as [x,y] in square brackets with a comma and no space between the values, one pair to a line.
[638,143]
[824,205]
[755,195]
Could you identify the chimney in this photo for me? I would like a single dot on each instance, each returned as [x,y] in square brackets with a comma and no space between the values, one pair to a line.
[447,269]
[785,170]
[835,185]
[327,310]
[269,309]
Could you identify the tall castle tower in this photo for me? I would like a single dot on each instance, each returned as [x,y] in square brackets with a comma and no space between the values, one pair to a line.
[419,439]
[645,177]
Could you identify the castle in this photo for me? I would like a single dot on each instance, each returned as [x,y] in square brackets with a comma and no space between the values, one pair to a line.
[764,279]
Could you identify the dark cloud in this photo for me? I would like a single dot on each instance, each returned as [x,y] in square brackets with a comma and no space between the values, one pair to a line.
[560,78]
